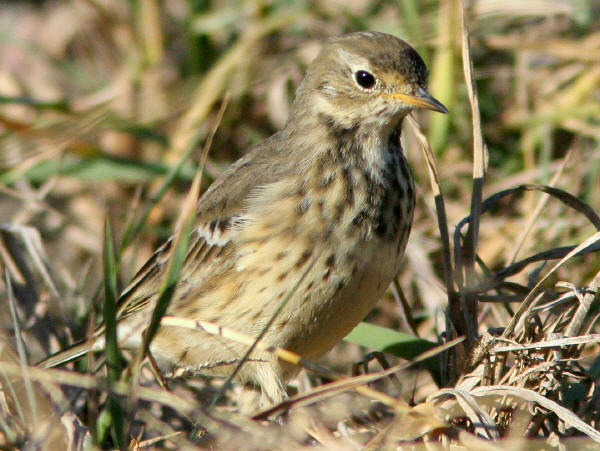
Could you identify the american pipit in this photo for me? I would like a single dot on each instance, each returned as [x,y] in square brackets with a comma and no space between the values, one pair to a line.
[330,196]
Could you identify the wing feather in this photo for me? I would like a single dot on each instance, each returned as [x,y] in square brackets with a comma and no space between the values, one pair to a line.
[220,214]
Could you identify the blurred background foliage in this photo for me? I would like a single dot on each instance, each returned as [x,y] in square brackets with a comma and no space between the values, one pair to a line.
[99,99]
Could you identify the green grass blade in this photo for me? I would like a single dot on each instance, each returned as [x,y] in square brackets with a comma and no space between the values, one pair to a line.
[401,345]
[112,419]
[109,261]
[134,228]
[97,167]
[176,260]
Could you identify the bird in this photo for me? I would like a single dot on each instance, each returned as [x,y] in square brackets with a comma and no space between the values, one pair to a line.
[318,215]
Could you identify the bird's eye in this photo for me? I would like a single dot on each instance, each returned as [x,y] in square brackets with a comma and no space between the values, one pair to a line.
[365,79]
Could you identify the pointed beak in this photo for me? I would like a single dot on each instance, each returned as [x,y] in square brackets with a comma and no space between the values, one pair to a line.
[421,98]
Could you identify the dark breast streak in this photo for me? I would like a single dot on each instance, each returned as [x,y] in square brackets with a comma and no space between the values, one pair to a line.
[398,200]
[390,197]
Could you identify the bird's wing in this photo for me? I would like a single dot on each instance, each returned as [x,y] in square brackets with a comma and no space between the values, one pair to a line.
[220,215]
[209,248]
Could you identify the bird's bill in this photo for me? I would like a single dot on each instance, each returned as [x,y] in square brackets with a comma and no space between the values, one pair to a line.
[421,99]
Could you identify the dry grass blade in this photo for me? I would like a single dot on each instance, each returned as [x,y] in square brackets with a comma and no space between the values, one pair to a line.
[496,280]
[539,207]
[479,151]
[468,251]
[585,303]
[529,395]
[31,239]
[29,392]
[291,357]
[50,141]
[342,384]
[515,268]
[87,381]
[215,81]
[442,221]
[566,198]
[484,425]
[26,412]
[557,342]
[434,177]
[529,301]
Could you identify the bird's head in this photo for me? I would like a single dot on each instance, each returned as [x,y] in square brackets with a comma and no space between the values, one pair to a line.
[365,78]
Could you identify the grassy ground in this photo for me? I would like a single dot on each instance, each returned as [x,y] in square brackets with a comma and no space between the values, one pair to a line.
[105,107]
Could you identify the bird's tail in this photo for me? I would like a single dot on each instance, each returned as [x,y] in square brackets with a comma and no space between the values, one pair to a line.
[69,354]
